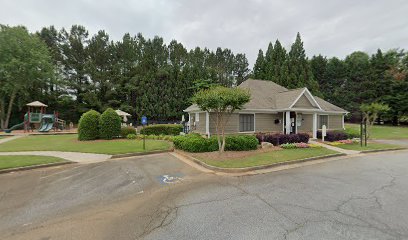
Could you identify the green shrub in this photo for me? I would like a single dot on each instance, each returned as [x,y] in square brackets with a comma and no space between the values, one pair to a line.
[88,127]
[352,133]
[124,131]
[109,124]
[197,143]
[131,136]
[241,143]
[288,146]
[164,129]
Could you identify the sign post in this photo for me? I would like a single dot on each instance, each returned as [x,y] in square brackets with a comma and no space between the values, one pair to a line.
[324,131]
[144,122]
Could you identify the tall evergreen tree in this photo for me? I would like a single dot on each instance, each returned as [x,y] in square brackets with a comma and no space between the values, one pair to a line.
[259,67]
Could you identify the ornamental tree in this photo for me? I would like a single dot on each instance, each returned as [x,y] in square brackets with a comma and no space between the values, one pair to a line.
[222,102]
[371,113]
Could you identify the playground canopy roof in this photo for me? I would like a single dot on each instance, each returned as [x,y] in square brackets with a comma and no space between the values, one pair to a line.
[122,113]
[36,104]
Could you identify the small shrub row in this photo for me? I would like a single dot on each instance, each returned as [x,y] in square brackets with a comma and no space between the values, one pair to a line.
[197,143]
[332,136]
[125,131]
[299,145]
[162,129]
[152,137]
[278,138]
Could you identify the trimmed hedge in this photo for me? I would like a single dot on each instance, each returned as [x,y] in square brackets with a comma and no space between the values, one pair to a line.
[124,131]
[197,143]
[162,129]
[240,143]
[278,138]
[332,136]
[109,124]
[88,127]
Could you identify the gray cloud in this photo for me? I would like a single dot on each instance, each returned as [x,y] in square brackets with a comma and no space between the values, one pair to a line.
[332,28]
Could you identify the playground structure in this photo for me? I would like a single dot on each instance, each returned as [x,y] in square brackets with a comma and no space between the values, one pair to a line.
[38,119]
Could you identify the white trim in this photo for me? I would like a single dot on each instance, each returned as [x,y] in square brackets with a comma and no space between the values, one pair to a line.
[254,122]
[314,128]
[287,122]
[309,96]
[207,124]
[342,122]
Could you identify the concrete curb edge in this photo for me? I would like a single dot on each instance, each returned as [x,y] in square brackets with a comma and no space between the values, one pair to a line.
[8,170]
[249,169]
[384,150]
[125,155]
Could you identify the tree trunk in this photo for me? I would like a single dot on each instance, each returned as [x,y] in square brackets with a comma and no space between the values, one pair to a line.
[10,107]
[217,126]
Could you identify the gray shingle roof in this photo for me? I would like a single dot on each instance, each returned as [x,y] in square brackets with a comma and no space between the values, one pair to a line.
[269,95]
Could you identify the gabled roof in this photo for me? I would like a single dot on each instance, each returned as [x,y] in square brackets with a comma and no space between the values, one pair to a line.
[36,104]
[288,98]
[267,95]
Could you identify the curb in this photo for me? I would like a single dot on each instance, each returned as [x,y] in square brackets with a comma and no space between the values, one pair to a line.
[383,150]
[249,169]
[8,170]
[139,154]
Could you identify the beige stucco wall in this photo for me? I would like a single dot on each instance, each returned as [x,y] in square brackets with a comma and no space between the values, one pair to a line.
[303,102]
[200,125]
[232,125]
[307,123]
[265,122]
[335,122]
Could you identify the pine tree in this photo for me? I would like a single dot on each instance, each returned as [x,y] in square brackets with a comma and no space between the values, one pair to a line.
[259,67]
[300,73]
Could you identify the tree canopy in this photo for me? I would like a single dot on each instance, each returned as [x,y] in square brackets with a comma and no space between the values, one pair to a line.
[222,102]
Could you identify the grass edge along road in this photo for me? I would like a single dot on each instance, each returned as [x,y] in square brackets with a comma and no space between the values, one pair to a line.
[69,143]
[383,132]
[267,158]
[16,161]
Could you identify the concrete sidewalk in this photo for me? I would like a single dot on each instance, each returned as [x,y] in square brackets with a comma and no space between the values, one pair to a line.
[7,139]
[82,158]
[341,150]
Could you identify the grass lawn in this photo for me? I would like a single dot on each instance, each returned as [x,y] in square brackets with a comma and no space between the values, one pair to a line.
[267,158]
[23,161]
[370,146]
[384,132]
[70,143]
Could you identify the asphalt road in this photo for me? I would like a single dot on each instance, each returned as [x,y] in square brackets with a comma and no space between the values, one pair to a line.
[362,197]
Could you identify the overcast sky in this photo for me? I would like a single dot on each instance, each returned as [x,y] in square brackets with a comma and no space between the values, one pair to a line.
[328,27]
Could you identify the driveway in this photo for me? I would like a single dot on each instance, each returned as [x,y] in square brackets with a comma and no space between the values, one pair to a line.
[360,197]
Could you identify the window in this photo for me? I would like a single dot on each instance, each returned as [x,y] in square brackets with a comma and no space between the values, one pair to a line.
[197,117]
[323,120]
[246,123]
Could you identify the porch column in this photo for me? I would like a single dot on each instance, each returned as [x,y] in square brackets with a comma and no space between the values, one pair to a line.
[287,122]
[189,122]
[314,125]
